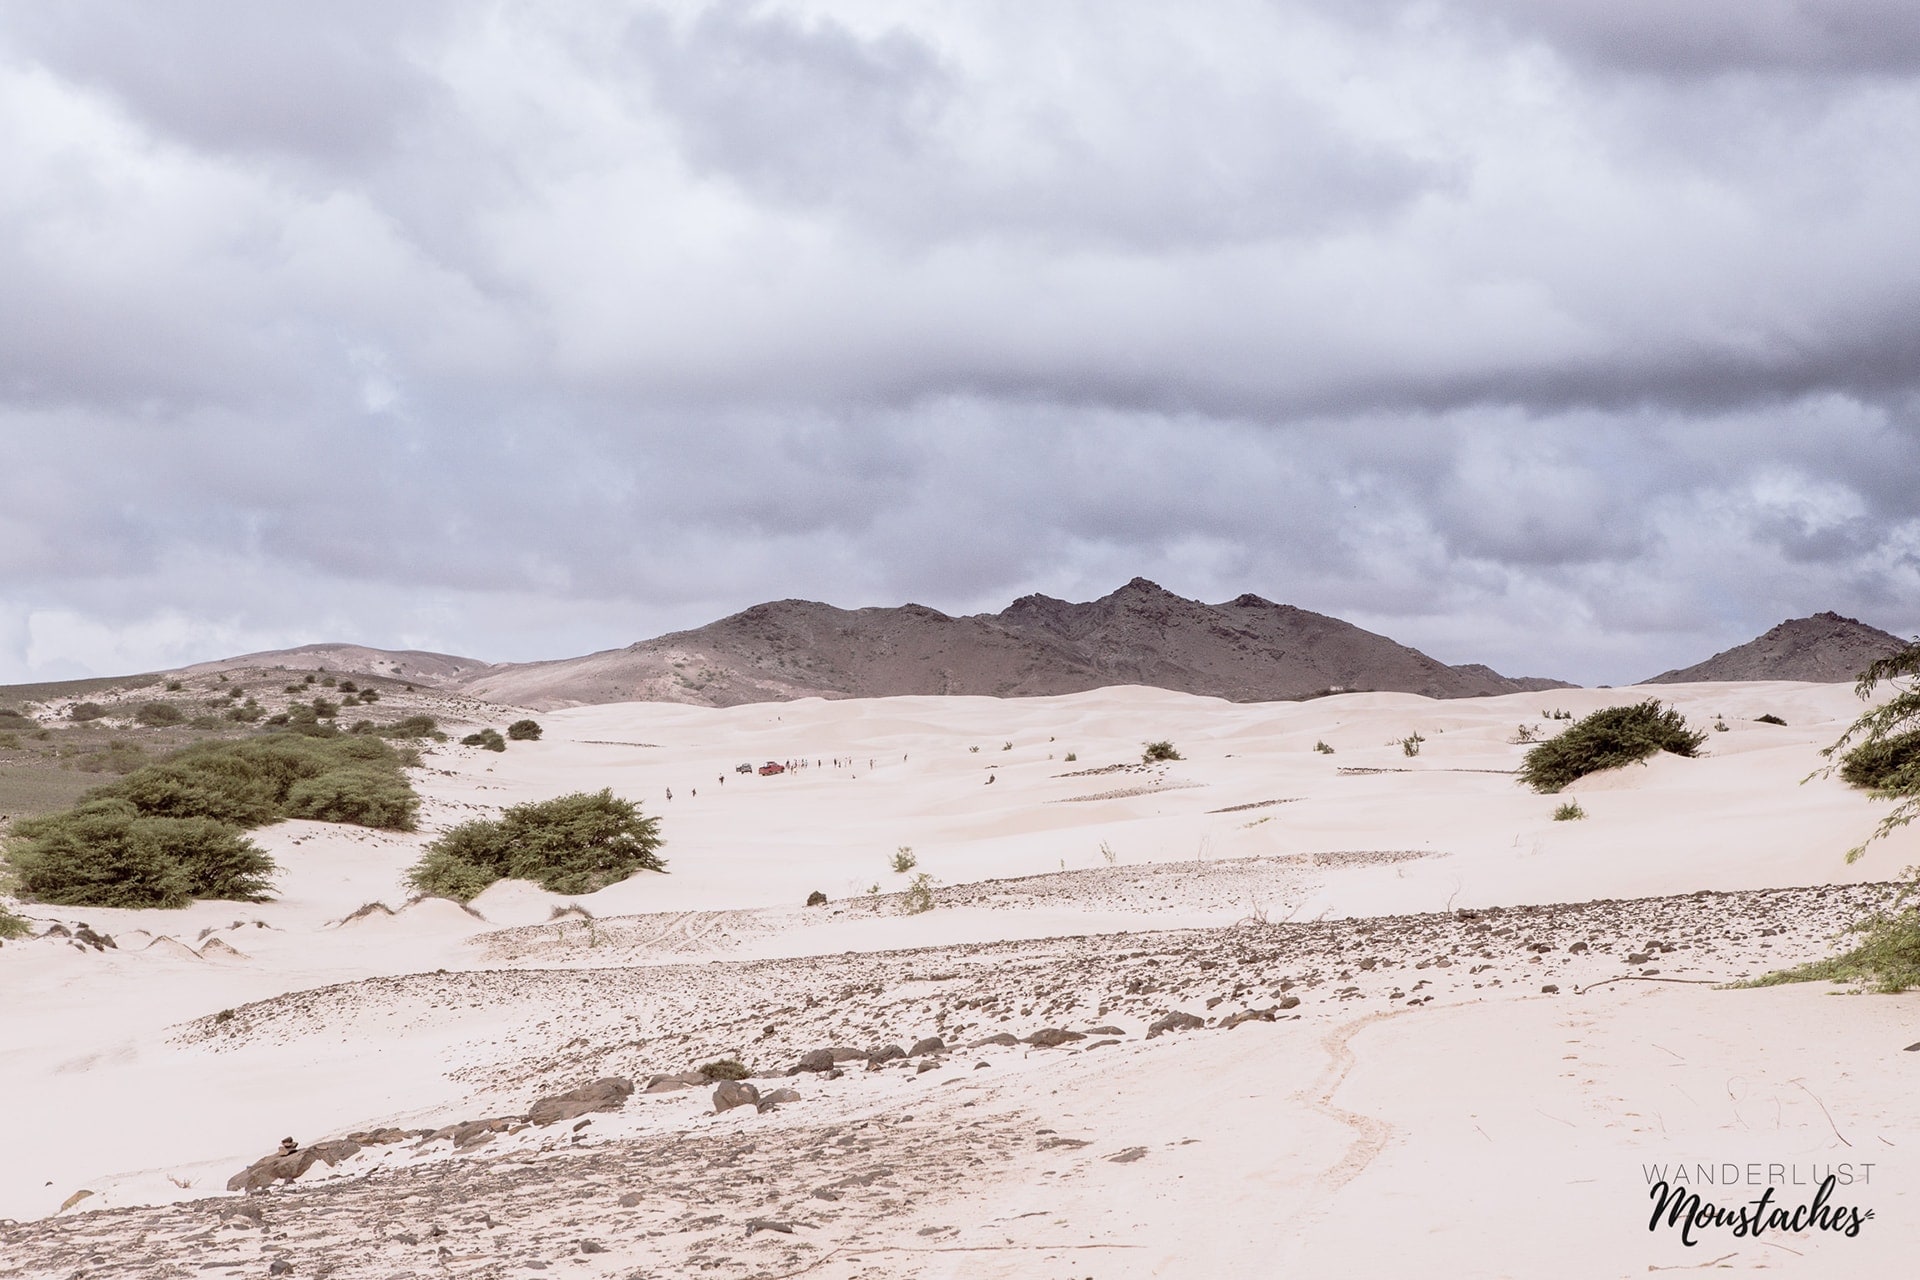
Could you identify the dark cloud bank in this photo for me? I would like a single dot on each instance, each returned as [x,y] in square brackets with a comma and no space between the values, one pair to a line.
[1577,339]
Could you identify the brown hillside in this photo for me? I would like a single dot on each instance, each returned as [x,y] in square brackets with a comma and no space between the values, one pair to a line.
[1826,648]
[1245,650]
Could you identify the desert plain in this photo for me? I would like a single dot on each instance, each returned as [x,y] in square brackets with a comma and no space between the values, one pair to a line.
[1265,1010]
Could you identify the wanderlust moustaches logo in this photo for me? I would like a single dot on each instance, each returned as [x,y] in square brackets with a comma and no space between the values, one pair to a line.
[1680,1195]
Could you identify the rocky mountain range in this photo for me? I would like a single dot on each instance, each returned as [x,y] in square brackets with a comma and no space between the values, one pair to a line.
[1247,649]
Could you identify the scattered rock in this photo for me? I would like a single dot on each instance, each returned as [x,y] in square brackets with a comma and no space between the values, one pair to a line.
[1638,957]
[1550,989]
[885,1053]
[631,1200]
[1128,1156]
[998,1037]
[1247,1015]
[280,1267]
[606,1094]
[734,1093]
[768,1101]
[592,1246]
[816,899]
[932,1044]
[1054,1037]
[768,1224]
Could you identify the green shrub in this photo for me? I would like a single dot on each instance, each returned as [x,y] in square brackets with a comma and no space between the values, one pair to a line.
[918,898]
[348,686]
[572,844]
[369,695]
[174,686]
[12,926]
[1887,767]
[816,899]
[158,715]
[324,709]
[411,727]
[1769,718]
[903,860]
[1608,739]
[1410,745]
[106,853]
[117,756]
[1158,751]
[489,739]
[725,1069]
[1569,812]
[1072,756]
[1323,748]
[524,731]
[85,711]
[366,796]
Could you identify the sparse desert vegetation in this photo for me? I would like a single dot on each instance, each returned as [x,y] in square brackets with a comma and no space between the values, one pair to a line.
[1569,812]
[1156,752]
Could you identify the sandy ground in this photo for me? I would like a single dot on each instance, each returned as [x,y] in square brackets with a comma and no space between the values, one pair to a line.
[1429,1023]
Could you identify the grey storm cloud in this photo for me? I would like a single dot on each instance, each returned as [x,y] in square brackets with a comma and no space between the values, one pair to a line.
[1574,338]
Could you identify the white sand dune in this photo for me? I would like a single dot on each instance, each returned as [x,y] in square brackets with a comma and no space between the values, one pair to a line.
[1498,1130]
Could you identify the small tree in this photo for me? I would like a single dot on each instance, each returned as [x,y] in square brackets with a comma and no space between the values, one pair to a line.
[1881,750]
[524,731]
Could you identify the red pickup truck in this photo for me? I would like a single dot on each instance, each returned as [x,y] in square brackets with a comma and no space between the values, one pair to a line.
[768,769]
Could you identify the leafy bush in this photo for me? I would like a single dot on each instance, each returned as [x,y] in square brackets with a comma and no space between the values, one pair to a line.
[158,715]
[1608,739]
[1158,751]
[524,731]
[367,796]
[1323,748]
[1072,756]
[490,739]
[903,860]
[411,727]
[725,1069]
[918,898]
[1410,745]
[1769,718]
[12,926]
[348,686]
[1888,767]
[1569,812]
[573,844]
[85,711]
[174,686]
[369,695]
[106,853]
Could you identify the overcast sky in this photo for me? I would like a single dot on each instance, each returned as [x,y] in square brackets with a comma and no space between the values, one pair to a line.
[1581,338]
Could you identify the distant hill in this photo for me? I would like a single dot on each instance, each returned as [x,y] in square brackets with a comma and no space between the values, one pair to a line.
[1826,648]
[434,670]
[1245,650]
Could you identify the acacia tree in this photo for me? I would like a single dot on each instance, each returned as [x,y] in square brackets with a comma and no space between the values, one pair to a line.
[1881,750]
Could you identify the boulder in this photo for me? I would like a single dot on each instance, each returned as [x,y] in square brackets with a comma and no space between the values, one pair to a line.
[1054,1037]
[607,1094]
[771,1100]
[285,1165]
[1246,1015]
[1175,1021]
[932,1044]
[734,1093]
[998,1037]
[885,1053]
[815,1060]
